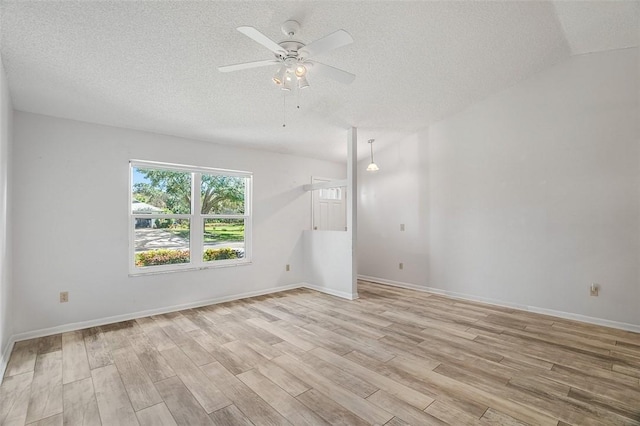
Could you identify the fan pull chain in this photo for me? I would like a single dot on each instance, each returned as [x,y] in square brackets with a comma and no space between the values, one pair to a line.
[298,97]
[284,109]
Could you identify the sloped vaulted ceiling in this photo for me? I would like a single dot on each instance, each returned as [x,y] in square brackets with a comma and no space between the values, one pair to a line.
[152,65]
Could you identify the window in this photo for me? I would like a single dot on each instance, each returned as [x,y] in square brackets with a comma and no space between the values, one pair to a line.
[185,217]
[330,193]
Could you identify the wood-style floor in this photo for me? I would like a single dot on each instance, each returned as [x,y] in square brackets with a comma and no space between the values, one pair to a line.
[393,357]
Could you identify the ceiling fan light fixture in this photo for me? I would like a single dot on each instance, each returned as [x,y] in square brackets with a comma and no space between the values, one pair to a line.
[278,78]
[286,84]
[300,70]
[302,82]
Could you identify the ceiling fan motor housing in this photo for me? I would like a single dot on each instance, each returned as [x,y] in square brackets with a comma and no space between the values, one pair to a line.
[292,47]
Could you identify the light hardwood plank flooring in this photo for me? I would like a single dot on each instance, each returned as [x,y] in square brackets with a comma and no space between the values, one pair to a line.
[392,357]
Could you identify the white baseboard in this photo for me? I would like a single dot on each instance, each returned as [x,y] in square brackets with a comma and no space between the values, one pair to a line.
[140,314]
[341,294]
[560,314]
[587,319]
[5,355]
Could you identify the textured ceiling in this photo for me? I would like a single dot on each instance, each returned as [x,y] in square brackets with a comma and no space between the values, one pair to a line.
[152,65]
[592,26]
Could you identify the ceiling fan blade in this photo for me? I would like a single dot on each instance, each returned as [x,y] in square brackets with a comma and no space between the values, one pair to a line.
[331,72]
[247,65]
[258,37]
[332,41]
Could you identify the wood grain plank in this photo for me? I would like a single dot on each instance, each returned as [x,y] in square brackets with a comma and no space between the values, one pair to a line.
[183,406]
[493,417]
[23,358]
[291,384]
[80,404]
[230,416]
[159,338]
[156,415]
[190,347]
[75,365]
[396,422]
[273,328]
[46,388]
[247,401]
[402,410]
[393,387]
[136,381]
[293,410]
[116,335]
[244,352]
[154,364]
[55,420]
[346,380]
[14,398]
[48,344]
[451,415]
[98,352]
[413,377]
[519,411]
[185,323]
[113,402]
[229,359]
[359,406]
[205,391]
[330,410]
[306,357]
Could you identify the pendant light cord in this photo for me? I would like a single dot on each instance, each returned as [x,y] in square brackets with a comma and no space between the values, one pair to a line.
[371,145]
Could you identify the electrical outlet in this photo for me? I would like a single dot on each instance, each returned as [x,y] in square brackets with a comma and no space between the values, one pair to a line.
[593,290]
[402,226]
[64,296]
[287,268]
[401,265]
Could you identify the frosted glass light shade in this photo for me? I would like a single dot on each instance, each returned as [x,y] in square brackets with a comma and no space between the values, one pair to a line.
[302,82]
[278,78]
[300,70]
[373,167]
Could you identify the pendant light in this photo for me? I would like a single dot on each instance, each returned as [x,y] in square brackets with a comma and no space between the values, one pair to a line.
[372,167]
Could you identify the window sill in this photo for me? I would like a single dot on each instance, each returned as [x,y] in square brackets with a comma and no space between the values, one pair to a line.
[188,268]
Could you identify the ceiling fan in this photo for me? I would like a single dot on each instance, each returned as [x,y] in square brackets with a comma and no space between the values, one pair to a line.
[294,57]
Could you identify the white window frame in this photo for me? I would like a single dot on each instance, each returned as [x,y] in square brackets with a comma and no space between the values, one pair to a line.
[196,219]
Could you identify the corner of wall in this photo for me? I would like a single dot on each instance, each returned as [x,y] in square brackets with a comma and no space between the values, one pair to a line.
[6,234]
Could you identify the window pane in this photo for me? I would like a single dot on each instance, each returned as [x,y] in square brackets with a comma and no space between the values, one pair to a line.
[222,194]
[161,241]
[331,194]
[223,239]
[160,191]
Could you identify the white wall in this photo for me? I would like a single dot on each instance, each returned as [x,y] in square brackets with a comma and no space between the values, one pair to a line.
[396,194]
[533,194]
[71,203]
[328,262]
[329,256]
[6,307]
